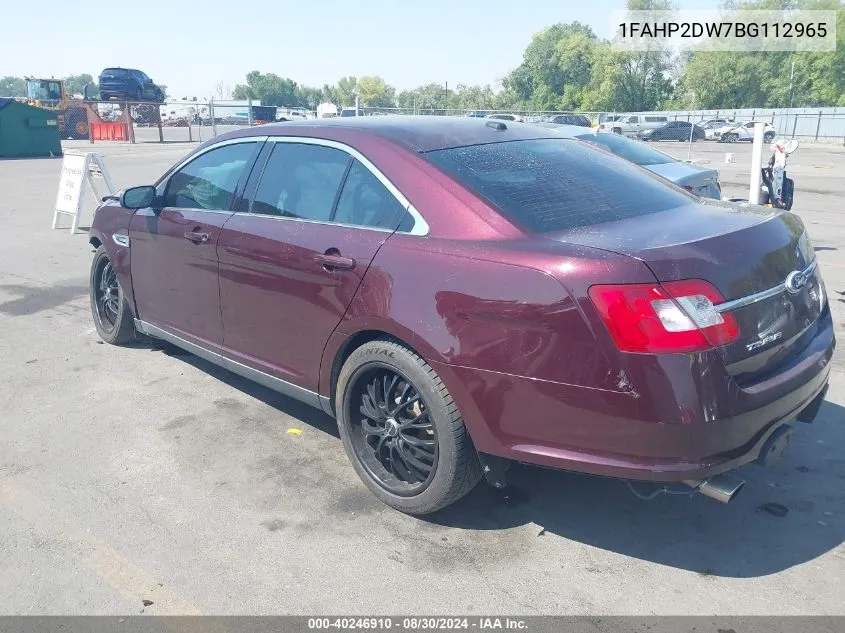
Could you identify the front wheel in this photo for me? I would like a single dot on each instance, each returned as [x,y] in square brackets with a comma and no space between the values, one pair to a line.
[112,316]
[402,431]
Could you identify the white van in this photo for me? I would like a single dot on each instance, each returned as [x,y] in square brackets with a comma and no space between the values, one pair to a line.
[634,124]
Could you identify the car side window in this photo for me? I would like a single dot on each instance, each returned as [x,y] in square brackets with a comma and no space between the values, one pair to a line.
[210,180]
[633,119]
[365,201]
[300,181]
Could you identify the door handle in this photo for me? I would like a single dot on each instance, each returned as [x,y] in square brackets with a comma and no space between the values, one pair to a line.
[196,237]
[336,262]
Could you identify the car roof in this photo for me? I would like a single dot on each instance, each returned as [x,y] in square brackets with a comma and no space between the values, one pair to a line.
[416,133]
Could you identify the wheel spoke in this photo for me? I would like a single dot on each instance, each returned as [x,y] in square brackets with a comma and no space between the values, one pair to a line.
[371,390]
[399,463]
[389,389]
[368,408]
[415,423]
[371,429]
[407,403]
[421,443]
[415,464]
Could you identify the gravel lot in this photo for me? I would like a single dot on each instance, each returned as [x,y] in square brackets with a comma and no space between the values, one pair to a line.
[131,474]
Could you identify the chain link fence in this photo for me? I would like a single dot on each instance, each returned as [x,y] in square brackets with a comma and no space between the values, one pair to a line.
[196,121]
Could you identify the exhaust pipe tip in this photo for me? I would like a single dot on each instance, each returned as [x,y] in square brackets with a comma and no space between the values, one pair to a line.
[723,488]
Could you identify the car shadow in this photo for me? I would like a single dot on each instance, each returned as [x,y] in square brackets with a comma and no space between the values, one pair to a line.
[284,404]
[787,514]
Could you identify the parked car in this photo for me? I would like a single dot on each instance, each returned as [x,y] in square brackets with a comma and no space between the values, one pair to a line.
[634,124]
[702,181]
[128,84]
[673,131]
[568,119]
[459,294]
[504,117]
[710,126]
[476,114]
[735,132]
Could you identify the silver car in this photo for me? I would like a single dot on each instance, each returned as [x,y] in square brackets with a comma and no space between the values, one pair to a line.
[701,181]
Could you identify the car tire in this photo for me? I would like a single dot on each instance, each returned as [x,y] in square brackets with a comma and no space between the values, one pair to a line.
[112,316]
[382,373]
[617,130]
[768,137]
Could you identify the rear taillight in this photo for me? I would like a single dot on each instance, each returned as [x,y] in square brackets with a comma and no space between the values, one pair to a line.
[677,316]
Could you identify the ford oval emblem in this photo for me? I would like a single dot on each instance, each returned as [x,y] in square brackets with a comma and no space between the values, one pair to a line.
[795,281]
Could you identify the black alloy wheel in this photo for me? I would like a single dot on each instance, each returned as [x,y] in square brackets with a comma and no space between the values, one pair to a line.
[391,432]
[107,297]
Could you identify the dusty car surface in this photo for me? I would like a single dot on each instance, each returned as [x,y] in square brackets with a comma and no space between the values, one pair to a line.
[462,292]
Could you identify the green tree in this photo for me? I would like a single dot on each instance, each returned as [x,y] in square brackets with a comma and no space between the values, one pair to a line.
[307,97]
[269,88]
[75,84]
[555,69]
[12,87]
[344,92]
[375,92]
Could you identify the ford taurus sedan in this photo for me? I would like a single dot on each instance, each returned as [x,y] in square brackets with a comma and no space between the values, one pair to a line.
[702,181]
[461,293]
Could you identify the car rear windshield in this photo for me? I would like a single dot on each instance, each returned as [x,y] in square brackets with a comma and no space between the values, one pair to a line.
[116,73]
[626,148]
[557,184]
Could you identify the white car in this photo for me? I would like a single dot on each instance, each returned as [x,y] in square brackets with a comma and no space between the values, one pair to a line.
[711,125]
[633,124]
[734,132]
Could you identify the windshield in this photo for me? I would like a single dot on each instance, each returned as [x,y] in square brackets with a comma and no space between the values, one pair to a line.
[557,184]
[114,73]
[44,90]
[626,148]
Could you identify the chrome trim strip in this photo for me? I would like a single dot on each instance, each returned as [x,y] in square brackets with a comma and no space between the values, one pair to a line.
[421,227]
[341,224]
[121,239]
[271,382]
[762,295]
[148,212]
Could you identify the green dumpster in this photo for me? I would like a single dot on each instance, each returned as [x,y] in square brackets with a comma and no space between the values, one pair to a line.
[28,131]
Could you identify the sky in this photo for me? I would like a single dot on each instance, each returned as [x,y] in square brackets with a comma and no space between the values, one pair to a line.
[192,46]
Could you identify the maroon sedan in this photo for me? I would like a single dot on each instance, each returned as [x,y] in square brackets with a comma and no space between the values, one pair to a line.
[460,293]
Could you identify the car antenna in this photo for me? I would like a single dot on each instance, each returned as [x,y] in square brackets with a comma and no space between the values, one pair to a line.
[496,125]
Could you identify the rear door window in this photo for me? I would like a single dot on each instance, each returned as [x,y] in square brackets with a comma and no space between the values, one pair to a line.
[365,201]
[301,181]
[557,184]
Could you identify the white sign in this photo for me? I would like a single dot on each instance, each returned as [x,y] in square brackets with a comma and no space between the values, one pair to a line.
[78,170]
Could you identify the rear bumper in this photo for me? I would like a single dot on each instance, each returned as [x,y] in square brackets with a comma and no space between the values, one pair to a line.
[668,427]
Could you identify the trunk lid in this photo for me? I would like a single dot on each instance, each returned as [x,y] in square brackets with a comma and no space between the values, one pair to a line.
[749,253]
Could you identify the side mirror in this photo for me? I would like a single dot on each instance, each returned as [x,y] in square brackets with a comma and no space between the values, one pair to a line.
[138,197]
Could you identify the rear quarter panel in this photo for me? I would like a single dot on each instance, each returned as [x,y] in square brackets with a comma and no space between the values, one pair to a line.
[494,307]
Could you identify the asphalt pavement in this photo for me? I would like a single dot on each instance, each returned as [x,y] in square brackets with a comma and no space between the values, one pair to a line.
[137,473]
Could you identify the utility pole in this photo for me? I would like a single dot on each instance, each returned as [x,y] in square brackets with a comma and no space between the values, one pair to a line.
[446,103]
[791,83]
